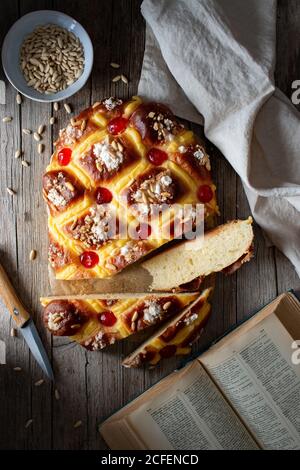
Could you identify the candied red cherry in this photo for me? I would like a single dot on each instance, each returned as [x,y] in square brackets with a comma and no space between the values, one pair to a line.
[117,125]
[64,156]
[89,259]
[156,156]
[107,318]
[143,231]
[103,195]
[168,351]
[205,193]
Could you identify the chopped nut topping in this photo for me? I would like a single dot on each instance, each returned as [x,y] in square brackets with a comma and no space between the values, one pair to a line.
[57,191]
[108,154]
[70,134]
[96,227]
[157,189]
[191,319]
[201,157]
[54,320]
[111,103]
[164,127]
[96,343]
[152,311]
[56,255]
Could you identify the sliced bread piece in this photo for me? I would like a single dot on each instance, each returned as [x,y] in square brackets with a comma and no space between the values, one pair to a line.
[225,246]
[96,322]
[174,337]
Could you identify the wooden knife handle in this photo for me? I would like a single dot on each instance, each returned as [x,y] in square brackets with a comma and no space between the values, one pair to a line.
[11,300]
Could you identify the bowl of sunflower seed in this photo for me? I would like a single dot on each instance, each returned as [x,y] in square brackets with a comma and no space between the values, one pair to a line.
[47,56]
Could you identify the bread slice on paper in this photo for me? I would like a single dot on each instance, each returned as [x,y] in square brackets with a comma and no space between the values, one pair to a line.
[176,336]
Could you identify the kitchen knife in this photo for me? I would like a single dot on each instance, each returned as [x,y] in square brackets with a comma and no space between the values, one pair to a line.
[25,323]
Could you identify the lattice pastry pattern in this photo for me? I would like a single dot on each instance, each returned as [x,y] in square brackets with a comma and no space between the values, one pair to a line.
[97,323]
[114,165]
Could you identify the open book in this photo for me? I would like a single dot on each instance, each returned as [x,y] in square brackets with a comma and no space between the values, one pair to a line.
[243,393]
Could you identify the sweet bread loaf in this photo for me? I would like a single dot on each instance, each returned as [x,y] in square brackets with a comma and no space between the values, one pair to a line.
[95,323]
[175,337]
[224,248]
[114,166]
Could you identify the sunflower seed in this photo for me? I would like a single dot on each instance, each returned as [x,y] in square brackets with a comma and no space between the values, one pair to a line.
[10,191]
[77,424]
[13,332]
[36,136]
[124,79]
[18,98]
[18,153]
[52,120]
[41,129]
[28,423]
[26,131]
[32,255]
[39,382]
[55,106]
[25,163]
[114,65]
[56,394]
[17,369]
[7,119]
[167,305]
[67,108]
[116,78]
[40,148]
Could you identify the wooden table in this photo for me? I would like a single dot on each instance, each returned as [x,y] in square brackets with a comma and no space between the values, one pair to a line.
[93,385]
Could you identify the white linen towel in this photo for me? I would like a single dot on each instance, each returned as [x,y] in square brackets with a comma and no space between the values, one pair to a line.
[215,58]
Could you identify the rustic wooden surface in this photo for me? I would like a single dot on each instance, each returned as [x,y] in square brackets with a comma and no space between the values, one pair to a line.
[93,385]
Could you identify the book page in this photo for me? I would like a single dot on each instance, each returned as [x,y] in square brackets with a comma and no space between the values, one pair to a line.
[192,414]
[256,374]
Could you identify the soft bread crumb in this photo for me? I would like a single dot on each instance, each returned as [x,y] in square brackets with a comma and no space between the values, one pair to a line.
[220,248]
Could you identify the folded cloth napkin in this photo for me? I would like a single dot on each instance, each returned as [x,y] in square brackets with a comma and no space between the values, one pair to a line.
[214,60]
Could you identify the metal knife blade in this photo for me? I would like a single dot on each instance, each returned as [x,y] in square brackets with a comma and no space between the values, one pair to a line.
[34,342]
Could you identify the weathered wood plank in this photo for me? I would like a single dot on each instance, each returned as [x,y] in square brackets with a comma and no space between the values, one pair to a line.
[12,433]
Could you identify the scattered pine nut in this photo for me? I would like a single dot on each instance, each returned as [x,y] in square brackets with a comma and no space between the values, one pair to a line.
[11,191]
[13,332]
[17,369]
[83,125]
[68,108]
[41,129]
[25,163]
[55,106]
[28,423]
[7,119]
[114,65]
[73,122]
[26,131]
[32,255]
[56,394]
[36,136]
[39,382]
[116,78]
[40,148]
[18,98]
[77,424]
[52,120]
[18,153]
[124,79]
